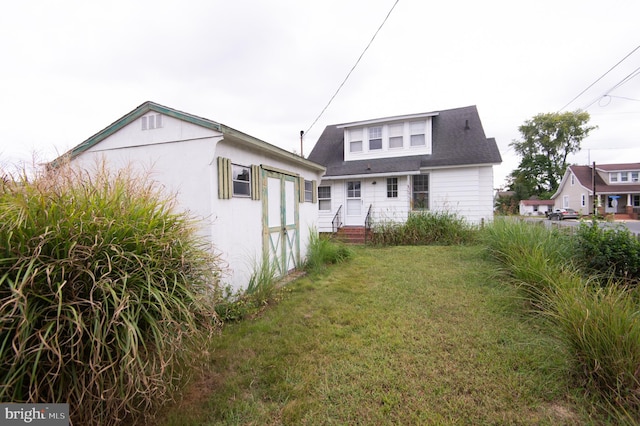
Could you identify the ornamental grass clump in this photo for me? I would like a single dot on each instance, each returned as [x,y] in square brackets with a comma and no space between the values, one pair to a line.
[442,228]
[103,292]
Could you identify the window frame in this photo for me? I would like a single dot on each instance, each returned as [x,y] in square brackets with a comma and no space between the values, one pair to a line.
[421,132]
[415,192]
[394,136]
[323,199]
[374,134]
[392,187]
[240,182]
[308,191]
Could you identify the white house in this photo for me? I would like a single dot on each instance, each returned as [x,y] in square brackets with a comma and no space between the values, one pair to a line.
[617,189]
[386,168]
[535,207]
[254,199]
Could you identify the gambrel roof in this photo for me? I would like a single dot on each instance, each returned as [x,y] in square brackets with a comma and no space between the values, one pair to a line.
[458,139]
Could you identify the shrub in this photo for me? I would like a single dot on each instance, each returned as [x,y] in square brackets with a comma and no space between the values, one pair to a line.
[425,228]
[102,291]
[609,251]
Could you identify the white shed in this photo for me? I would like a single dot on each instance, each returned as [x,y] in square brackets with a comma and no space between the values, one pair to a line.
[254,199]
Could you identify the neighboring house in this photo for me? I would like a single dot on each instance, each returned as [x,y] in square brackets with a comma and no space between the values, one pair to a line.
[617,188]
[254,198]
[389,167]
[534,207]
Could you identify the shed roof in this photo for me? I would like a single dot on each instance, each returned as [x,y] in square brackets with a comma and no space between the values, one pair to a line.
[227,132]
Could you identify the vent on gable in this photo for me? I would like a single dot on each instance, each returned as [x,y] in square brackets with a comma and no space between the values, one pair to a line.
[153,121]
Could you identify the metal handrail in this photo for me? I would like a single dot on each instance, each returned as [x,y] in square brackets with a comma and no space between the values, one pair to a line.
[336,223]
[367,223]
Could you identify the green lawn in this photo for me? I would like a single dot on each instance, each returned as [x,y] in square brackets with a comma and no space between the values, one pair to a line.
[400,335]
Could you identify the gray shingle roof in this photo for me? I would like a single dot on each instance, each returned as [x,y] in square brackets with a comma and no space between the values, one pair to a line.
[454,144]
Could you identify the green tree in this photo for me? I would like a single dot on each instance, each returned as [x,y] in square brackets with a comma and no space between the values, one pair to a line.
[547,141]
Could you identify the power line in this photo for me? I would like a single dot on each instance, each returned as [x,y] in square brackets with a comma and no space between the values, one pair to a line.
[628,78]
[353,68]
[600,78]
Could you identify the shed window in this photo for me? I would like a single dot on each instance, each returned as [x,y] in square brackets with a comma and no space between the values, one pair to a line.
[241,181]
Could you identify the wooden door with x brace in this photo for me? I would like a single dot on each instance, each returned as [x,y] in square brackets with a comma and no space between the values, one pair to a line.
[281,236]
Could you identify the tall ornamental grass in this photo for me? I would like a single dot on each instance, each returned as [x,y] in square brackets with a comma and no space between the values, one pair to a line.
[423,228]
[323,251]
[597,320]
[102,293]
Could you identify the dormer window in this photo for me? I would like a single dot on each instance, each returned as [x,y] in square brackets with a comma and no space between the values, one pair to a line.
[417,133]
[355,140]
[399,136]
[634,176]
[395,135]
[375,138]
[613,177]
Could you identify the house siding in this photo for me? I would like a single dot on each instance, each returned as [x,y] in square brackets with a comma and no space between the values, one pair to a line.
[464,191]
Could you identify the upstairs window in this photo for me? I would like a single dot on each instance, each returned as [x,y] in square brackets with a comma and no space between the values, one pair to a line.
[624,177]
[613,177]
[375,138]
[396,135]
[634,176]
[417,133]
[355,140]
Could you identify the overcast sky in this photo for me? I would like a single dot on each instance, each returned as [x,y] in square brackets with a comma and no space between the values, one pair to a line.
[267,68]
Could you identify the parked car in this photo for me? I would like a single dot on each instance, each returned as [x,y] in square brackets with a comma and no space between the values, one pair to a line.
[561,214]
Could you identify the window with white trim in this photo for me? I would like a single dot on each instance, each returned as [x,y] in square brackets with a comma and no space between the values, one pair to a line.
[573,180]
[613,177]
[324,198]
[241,181]
[420,196]
[636,200]
[565,202]
[624,177]
[634,176]
[392,187]
[355,140]
[375,138]
[396,135]
[417,131]
[583,200]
